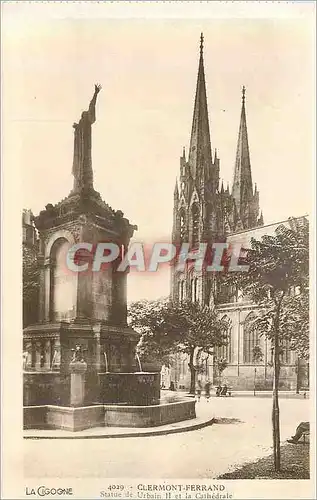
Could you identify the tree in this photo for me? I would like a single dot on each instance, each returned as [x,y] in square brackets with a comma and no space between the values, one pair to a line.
[295,320]
[295,327]
[30,285]
[168,328]
[278,266]
[257,357]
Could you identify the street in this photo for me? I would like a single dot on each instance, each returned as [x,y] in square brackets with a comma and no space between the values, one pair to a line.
[243,434]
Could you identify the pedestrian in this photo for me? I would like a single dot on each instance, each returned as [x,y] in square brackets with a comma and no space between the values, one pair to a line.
[199,389]
[172,386]
[301,428]
[207,390]
[224,390]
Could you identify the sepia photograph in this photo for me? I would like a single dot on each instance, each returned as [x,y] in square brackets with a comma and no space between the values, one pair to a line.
[158,196]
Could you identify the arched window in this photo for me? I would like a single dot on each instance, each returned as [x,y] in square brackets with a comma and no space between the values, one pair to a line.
[182,225]
[251,338]
[195,222]
[225,351]
[181,290]
[62,283]
[194,289]
[285,352]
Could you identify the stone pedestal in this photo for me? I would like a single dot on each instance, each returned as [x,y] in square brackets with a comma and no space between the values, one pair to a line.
[77,382]
[77,308]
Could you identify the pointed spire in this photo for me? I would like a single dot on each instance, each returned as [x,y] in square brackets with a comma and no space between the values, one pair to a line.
[242,190]
[201,43]
[200,146]
[261,220]
[243,95]
[184,153]
[227,190]
[222,188]
[216,157]
[176,194]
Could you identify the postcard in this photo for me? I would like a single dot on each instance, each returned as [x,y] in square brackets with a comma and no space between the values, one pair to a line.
[158,250]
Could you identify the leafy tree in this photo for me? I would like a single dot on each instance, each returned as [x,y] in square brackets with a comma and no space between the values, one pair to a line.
[146,316]
[257,356]
[295,320]
[30,285]
[185,328]
[278,267]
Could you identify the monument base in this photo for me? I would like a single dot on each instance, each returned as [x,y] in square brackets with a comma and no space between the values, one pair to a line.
[80,418]
[149,416]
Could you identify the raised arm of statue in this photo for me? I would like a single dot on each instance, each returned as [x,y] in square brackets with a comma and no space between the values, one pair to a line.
[92,105]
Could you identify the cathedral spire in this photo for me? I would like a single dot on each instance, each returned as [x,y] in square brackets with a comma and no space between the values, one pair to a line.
[200,146]
[242,190]
[176,194]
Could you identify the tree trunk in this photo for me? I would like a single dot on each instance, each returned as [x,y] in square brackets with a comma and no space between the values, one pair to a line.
[297,376]
[192,372]
[275,410]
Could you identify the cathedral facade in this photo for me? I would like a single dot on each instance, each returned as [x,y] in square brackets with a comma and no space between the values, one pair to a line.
[205,211]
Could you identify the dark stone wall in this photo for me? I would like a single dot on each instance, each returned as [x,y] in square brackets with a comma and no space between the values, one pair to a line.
[45,388]
[129,388]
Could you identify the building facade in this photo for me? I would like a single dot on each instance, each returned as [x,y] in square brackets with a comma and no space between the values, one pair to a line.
[205,211]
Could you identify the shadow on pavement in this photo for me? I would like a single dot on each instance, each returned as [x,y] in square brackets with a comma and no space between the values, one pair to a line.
[228,421]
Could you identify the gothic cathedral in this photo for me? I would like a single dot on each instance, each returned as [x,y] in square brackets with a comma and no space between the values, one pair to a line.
[204,211]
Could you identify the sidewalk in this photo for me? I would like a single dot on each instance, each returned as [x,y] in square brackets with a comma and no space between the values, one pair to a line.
[216,410]
[258,394]
[241,434]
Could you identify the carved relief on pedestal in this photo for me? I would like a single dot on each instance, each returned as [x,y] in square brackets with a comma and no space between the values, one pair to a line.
[38,355]
[56,355]
[27,356]
[47,355]
[76,231]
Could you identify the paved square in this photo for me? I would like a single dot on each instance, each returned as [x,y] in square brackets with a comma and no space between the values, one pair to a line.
[204,453]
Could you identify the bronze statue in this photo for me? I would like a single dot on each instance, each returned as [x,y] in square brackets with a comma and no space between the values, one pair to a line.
[82,165]
[78,354]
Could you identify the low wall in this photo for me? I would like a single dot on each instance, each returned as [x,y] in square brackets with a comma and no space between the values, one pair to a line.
[78,419]
[149,416]
[140,388]
[74,419]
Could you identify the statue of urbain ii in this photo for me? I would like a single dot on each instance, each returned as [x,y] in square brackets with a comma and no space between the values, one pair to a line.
[82,165]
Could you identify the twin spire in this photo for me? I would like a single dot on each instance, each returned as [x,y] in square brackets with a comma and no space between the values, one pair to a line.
[242,188]
[200,151]
[200,144]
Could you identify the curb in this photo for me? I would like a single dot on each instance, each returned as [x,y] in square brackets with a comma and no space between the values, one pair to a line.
[157,432]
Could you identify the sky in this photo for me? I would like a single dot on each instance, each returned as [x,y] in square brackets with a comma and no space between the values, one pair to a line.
[148,70]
